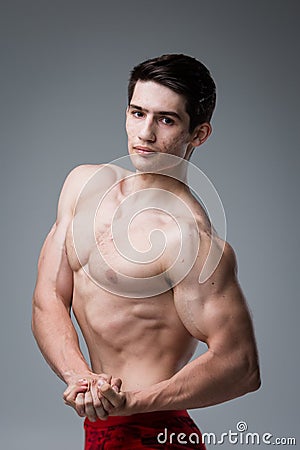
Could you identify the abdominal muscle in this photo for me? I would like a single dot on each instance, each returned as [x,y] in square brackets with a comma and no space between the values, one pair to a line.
[140,340]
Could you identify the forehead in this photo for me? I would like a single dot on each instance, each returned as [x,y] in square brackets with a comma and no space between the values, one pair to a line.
[156,97]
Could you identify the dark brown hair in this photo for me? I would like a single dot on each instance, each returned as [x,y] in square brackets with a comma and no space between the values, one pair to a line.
[184,75]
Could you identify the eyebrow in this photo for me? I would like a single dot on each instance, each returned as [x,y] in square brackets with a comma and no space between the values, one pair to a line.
[161,113]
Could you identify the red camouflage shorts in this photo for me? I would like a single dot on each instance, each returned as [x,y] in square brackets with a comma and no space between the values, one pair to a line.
[168,430]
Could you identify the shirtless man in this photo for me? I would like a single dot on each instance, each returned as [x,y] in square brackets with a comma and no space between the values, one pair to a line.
[137,296]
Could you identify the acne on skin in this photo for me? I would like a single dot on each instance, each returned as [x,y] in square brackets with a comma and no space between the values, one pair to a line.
[156,119]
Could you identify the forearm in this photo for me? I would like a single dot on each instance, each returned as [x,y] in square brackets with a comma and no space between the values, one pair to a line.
[58,341]
[206,381]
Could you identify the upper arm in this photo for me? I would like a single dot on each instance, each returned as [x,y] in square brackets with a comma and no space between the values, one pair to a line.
[55,277]
[215,311]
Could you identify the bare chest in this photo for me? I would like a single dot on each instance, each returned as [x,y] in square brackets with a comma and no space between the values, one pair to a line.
[117,249]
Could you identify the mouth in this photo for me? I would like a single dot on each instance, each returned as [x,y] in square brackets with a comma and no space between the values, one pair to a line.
[144,150]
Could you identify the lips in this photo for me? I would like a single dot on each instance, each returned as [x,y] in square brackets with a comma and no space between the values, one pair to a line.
[144,150]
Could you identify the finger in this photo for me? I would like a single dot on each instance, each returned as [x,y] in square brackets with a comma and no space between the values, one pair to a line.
[79,404]
[115,398]
[97,403]
[116,384]
[107,406]
[83,383]
[71,393]
[105,377]
[89,407]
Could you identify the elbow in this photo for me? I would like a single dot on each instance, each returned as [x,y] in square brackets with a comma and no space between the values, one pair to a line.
[245,373]
[250,376]
[253,380]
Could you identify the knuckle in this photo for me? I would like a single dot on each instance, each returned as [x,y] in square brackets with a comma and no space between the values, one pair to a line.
[92,418]
[65,395]
[88,403]
[97,404]
[102,414]
[80,412]
[108,408]
[105,388]
[66,400]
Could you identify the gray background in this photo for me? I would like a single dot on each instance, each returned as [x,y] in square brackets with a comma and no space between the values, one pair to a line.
[64,71]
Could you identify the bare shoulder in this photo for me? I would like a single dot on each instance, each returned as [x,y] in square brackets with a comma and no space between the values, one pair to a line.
[215,256]
[215,263]
[83,180]
[205,260]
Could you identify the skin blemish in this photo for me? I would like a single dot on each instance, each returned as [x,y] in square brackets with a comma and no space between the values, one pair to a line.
[111,276]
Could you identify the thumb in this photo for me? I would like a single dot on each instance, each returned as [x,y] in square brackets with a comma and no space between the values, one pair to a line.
[116,384]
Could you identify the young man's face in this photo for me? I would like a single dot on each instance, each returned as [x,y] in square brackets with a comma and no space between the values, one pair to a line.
[157,123]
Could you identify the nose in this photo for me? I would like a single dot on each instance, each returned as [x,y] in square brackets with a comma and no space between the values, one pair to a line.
[147,131]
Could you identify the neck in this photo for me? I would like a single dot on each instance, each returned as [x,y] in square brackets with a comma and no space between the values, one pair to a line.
[171,179]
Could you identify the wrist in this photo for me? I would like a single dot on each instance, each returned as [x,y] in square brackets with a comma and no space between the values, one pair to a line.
[71,376]
[149,399]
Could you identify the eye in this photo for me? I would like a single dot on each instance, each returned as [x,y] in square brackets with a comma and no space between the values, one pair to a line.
[167,121]
[137,114]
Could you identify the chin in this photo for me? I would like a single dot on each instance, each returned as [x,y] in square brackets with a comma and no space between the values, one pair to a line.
[148,163]
[155,163]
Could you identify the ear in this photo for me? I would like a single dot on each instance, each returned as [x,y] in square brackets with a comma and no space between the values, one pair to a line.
[201,133]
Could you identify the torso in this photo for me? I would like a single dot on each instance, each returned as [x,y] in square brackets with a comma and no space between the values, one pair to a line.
[122,299]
